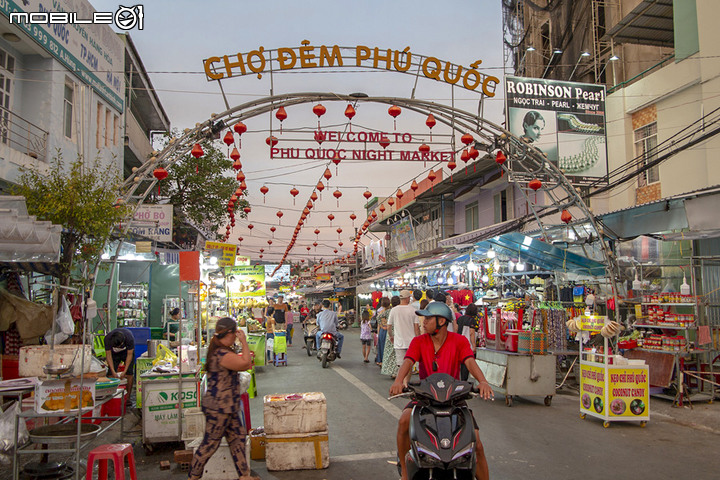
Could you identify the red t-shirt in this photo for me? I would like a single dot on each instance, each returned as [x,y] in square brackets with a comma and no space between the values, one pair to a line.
[452,353]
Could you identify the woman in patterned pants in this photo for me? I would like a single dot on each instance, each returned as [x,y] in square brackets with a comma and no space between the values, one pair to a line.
[221,402]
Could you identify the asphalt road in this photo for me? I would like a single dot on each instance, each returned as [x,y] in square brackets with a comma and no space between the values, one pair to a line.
[525,441]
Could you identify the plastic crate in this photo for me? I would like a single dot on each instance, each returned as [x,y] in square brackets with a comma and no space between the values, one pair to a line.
[193,423]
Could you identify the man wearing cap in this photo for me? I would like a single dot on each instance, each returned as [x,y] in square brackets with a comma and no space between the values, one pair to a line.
[327,321]
[403,325]
[438,351]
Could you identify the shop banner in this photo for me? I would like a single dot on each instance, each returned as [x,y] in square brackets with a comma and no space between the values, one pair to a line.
[402,239]
[592,389]
[153,221]
[242,260]
[374,254]
[282,275]
[245,281]
[566,120]
[323,277]
[228,252]
[189,266]
[629,393]
[593,323]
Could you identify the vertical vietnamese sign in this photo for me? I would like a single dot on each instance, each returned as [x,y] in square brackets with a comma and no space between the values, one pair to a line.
[629,392]
[592,389]
[153,221]
[565,120]
[403,239]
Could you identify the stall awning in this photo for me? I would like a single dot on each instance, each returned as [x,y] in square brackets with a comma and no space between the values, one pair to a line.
[540,254]
[23,238]
[382,274]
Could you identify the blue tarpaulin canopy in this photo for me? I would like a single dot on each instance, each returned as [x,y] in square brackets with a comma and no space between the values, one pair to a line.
[540,254]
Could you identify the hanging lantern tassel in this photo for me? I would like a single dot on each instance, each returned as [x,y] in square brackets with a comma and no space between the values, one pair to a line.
[197,152]
[161,174]
[337,194]
[451,165]
[394,111]
[430,122]
[350,113]
[264,190]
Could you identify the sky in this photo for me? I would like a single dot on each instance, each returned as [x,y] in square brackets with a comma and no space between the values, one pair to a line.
[179,34]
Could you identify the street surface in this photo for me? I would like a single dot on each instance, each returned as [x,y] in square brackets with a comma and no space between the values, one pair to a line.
[525,441]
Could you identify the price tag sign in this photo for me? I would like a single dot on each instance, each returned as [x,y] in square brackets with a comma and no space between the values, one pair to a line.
[591,323]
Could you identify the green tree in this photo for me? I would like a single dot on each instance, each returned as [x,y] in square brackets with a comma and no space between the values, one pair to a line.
[83,198]
[200,189]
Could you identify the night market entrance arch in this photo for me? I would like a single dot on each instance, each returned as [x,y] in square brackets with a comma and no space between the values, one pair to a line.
[525,165]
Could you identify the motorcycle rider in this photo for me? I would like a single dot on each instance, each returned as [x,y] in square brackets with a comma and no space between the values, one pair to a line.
[327,321]
[438,351]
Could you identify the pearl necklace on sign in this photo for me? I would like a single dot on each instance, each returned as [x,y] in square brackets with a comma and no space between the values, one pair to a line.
[585,159]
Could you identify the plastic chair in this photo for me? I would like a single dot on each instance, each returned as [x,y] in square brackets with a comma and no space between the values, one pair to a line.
[115,452]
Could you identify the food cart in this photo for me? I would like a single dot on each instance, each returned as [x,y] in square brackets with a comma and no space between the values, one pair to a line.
[161,409]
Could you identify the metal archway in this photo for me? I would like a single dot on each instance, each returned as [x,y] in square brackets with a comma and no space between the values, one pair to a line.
[524,161]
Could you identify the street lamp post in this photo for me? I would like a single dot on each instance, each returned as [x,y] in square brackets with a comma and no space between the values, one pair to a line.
[584,54]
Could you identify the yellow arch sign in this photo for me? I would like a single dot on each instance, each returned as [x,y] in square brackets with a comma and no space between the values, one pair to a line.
[308,56]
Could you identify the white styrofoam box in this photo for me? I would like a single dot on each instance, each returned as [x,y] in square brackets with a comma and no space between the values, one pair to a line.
[193,423]
[299,451]
[295,413]
[32,359]
[221,465]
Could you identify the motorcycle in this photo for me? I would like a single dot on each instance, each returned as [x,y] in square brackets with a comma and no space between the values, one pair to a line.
[328,349]
[442,432]
[310,328]
[342,323]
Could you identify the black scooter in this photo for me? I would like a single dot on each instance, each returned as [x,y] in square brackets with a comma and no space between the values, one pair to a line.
[442,433]
[328,349]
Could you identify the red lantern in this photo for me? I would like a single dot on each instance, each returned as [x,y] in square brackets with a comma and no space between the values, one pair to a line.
[281,115]
[320,187]
[240,176]
[331,217]
[340,244]
[271,141]
[279,215]
[243,185]
[161,174]
[235,155]
[350,113]
[384,142]
[467,139]
[251,226]
[272,229]
[313,196]
[240,239]
[353,217]
[335,250]
[336,161]
[319,137]
[294,192]
[399,194]
[565,216]
[327,174]
[430,122]
[339,230]
[309,204]
[228,138]
[465,156]
[247,210]
[264,190]
[240,128]
[308,248]
[261,256]
[197,151]
[394,111]
[451,165]
[319,110]
[535,184]
[424,148]
[500,157]
[262,250]
[391,201]
[474,154]
[317,232]
[367,194]
[381,208]
[373,215]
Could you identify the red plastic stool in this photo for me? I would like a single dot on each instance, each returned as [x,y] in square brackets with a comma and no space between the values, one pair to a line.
[115,452]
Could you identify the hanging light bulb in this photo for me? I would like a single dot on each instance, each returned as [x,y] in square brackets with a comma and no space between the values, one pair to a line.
[520,266]
[471,266]
[491,253]
[485,278]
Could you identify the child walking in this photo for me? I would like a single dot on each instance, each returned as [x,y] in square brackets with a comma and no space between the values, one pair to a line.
[365,335]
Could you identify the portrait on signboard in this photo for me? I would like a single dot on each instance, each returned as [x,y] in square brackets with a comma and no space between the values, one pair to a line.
[537,128]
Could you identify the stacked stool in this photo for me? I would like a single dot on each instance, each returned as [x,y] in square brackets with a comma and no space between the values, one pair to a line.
[116,452]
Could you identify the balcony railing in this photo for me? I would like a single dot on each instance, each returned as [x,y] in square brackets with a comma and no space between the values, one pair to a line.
[22,135]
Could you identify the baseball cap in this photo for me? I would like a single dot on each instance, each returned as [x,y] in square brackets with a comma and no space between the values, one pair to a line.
[436,309]
[405,294]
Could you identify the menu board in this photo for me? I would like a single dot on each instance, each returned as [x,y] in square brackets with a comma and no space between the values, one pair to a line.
[245,281]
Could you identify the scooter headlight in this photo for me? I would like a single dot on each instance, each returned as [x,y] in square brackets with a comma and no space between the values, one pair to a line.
[462,456]
[427,455]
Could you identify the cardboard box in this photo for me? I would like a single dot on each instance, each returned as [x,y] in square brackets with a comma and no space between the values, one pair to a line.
[295,413]
[299,451]
[61,396]
[257,447]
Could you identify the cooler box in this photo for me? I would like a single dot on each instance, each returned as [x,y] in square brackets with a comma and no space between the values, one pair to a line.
[297,451]
[295,413]
[141,336]
[221,465]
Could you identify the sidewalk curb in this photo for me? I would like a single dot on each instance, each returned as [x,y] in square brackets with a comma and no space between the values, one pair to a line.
[670,419]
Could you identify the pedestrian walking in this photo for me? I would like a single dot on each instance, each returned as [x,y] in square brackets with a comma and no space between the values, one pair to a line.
[382,316]
[221,402]
[468,326]
[403,326]
[289,318]
[365,335]
[269,333]
[389,364]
